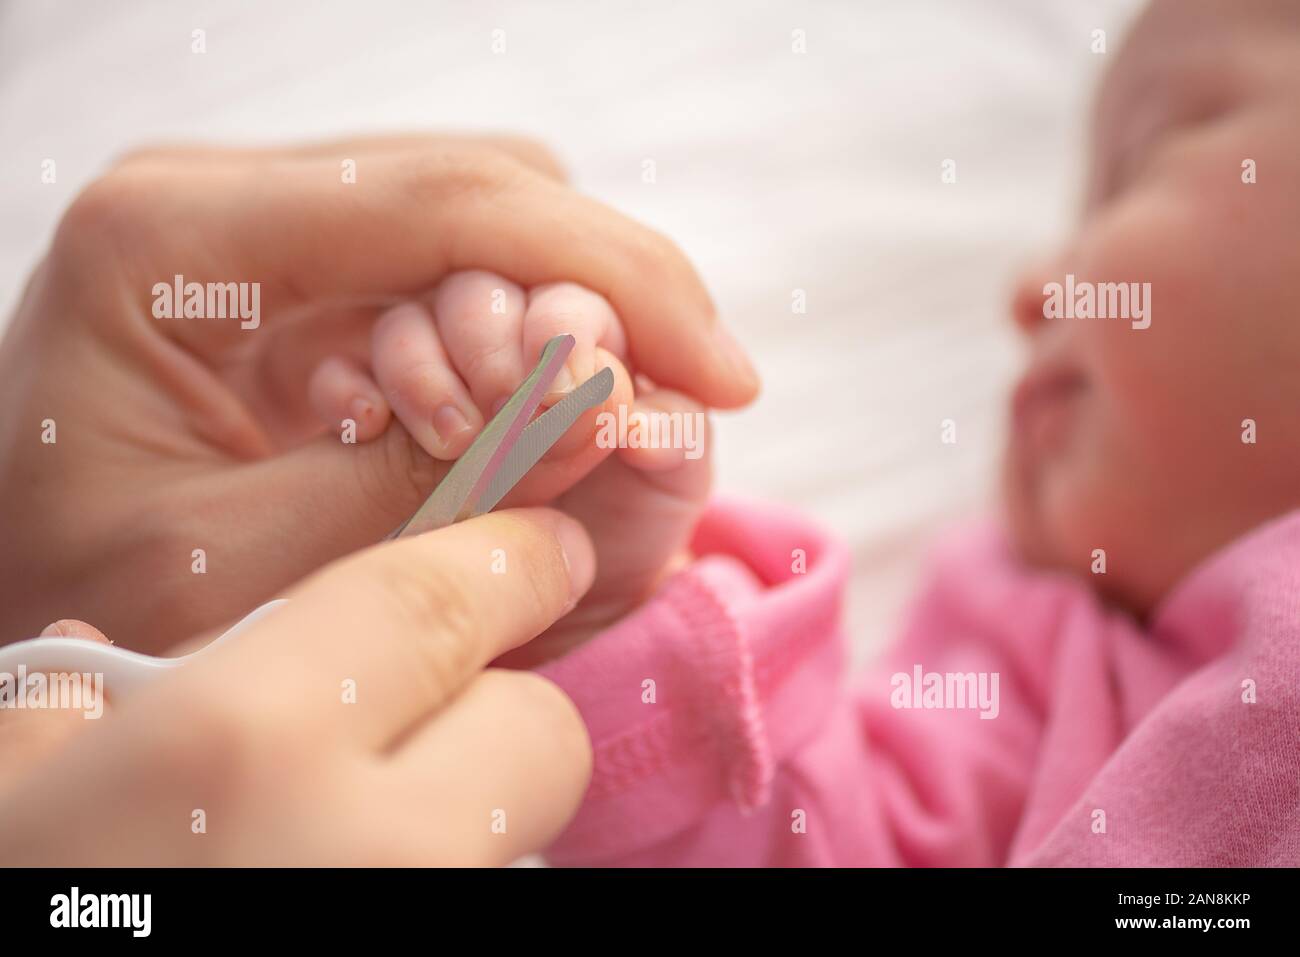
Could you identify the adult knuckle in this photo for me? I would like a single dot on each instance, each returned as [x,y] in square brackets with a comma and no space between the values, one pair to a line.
[450,172]
[540,554]
[546,588]
[438,622]
[100,212]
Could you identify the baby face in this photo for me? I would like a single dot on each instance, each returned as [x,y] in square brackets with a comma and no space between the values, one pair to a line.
[1135,440]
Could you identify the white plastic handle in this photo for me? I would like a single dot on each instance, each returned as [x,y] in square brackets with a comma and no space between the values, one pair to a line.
[123,670]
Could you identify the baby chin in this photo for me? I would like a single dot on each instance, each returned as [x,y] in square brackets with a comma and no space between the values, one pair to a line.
[1044,420]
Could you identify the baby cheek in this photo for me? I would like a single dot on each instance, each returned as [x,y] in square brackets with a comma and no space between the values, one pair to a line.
[1102,518]
[1165,360]
[1079,486]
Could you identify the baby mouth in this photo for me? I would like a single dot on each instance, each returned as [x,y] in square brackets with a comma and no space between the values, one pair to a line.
[1042,403]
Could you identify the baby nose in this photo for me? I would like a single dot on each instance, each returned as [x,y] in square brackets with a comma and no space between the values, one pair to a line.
[1027,295]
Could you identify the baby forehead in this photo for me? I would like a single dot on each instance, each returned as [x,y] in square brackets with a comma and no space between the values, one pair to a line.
[1191,61]
[1189,50]
[1214,22]
[1141,96]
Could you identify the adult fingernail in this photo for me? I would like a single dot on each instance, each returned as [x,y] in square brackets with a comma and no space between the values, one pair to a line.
[734,353]
[449,422]
[579,556]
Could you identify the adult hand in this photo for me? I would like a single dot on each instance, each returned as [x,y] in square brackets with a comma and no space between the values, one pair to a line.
[355,725]
[163,476]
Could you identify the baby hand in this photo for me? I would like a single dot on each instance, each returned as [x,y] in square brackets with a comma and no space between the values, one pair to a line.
[444,366]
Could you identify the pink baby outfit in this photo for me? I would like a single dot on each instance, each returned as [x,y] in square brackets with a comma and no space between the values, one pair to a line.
[725,732]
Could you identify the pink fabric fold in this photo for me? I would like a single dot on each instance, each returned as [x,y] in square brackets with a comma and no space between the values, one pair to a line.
[725,732]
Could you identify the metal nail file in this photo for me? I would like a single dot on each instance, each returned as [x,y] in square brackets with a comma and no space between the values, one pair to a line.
[510,444]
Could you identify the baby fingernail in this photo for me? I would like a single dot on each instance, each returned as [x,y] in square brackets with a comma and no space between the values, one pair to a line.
[449,422]
[561,386]
[563,381]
